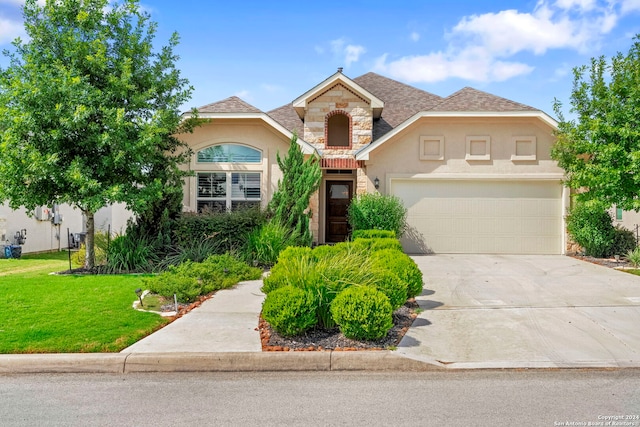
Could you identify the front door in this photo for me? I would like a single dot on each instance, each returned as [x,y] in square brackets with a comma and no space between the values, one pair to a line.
[339,195]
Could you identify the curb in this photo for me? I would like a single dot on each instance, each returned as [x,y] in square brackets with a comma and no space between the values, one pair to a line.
[118,363]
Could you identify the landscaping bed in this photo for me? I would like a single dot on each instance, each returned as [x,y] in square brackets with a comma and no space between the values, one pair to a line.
[318,339]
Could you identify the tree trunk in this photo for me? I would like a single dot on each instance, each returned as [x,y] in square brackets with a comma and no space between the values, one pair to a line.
[89,243]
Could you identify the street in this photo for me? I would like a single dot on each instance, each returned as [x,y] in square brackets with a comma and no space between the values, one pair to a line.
[473,398]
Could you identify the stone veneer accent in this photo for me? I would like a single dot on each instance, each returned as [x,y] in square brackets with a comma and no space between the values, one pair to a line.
[338,98]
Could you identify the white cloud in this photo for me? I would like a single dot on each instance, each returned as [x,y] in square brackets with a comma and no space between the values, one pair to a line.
[583,5]
[415,36]
[9,30]
[628,6]
[244,94]
[349,53]
[482,47]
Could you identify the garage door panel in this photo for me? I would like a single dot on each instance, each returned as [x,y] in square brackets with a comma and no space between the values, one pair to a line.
[482,216]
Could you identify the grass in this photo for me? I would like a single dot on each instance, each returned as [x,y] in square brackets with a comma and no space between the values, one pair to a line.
[43,313]
[632,271]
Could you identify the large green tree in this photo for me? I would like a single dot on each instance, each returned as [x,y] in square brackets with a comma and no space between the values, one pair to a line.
[88,108]
[300,179]
[600,148]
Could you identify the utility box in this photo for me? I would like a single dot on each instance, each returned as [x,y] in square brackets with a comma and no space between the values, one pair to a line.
[42,213]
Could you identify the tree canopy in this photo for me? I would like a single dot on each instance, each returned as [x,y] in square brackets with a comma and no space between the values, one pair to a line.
[600,148]
[88,110]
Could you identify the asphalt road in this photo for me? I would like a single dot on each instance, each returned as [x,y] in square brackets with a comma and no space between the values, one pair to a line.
[469,398]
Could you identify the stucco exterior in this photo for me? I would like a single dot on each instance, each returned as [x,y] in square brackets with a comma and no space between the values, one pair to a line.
[386,131]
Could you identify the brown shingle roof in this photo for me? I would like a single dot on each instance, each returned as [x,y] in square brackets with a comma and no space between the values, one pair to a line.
[230,105]
[288,118]
[469,99]
[401,101]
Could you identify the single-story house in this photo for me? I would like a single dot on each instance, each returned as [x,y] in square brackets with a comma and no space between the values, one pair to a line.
[473,169]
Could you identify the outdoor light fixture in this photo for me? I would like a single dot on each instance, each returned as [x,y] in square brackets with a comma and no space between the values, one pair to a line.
[376,183]
[139,293]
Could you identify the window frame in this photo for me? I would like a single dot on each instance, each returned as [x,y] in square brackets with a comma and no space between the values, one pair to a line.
[230,195]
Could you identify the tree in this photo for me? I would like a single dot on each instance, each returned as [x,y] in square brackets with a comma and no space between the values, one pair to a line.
[300,179]
[600,149]
[88,109]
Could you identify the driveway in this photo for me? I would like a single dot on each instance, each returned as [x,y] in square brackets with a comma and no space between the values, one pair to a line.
[505,311]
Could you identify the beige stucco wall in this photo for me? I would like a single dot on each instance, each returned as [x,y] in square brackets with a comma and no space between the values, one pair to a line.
[254,133]
[400,156]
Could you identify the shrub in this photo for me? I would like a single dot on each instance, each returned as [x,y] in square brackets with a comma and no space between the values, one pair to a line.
[362,312]
[393,287]
[377,212]
[295,267]
[589,224]
[403,266]
[634,257]
[290,311]
[264,244]
[372,245]
[229,230]
[190,280]
[372,234]
[197,252]
[131,254]
[101,243]
[623,241]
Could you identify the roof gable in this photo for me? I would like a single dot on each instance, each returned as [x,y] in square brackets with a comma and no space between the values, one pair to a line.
[232,104]
[300,103]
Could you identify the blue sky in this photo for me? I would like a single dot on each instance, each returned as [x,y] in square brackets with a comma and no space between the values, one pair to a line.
[269,53]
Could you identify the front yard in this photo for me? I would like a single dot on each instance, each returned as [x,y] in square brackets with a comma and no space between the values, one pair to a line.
[44,313]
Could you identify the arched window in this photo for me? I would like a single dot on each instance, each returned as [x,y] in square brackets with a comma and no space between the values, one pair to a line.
[338,130]
[229,189]
[229,153]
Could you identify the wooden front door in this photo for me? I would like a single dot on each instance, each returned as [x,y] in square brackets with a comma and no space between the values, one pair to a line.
[339,195]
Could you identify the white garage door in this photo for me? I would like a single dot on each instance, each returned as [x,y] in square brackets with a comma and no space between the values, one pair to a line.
[507,217]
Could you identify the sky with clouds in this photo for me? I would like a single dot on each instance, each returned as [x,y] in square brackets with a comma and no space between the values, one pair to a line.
[269,53]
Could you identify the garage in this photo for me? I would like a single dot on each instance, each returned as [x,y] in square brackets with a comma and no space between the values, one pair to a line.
[482,216]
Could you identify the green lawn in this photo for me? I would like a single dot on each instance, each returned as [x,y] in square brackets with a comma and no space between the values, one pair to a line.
[44,313]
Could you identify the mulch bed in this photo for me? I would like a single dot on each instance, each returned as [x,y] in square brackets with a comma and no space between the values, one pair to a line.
[606,262]
[320,339]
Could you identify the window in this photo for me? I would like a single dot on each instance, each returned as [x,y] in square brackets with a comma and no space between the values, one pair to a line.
[229,153]
[618,214]
[338,130]
[478,148]
[228,191]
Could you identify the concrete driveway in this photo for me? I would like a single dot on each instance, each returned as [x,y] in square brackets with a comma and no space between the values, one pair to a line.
[497,311]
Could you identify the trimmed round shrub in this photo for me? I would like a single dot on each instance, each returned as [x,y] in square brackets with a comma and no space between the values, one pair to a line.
[290,311]
[362,312]
[403,266]
[393,287]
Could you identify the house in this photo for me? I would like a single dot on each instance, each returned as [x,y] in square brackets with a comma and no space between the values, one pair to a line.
[52,228]
[473,169]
